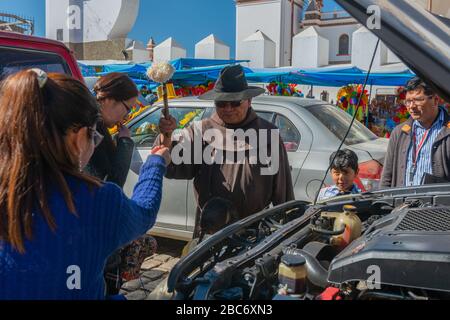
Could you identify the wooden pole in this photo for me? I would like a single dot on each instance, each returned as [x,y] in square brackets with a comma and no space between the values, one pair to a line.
[166,102]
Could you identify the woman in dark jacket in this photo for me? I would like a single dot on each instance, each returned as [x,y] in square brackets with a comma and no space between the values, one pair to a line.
[116,93]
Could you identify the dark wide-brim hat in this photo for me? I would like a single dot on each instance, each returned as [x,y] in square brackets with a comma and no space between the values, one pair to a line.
[232,86]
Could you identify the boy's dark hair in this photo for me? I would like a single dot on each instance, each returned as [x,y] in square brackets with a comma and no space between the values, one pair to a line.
[344,159]
[417,83]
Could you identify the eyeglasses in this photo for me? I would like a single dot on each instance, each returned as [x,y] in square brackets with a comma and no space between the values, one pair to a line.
[417,101]
[126,107]
[223,104]
[96,137]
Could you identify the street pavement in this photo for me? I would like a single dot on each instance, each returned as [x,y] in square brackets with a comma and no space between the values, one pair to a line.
[154,269]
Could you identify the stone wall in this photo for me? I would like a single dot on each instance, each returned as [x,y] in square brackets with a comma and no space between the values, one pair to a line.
[100,50]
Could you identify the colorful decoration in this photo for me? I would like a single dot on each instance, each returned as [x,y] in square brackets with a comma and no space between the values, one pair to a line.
[347,100]
[147,128]
[195,91]
[136,110]
[401,112]
[150,128]
[284,89]
[444,104]
[188,117]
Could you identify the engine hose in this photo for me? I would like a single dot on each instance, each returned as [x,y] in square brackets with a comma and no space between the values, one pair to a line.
[366,295]
[315,272]
[326,232]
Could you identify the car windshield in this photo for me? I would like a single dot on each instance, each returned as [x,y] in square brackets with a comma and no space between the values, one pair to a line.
[13,60]
[338,121]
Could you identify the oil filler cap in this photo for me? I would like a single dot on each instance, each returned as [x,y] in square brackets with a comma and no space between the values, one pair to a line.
[291,260]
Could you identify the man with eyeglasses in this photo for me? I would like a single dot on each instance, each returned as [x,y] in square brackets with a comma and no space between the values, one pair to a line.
[419,149]
[242,183]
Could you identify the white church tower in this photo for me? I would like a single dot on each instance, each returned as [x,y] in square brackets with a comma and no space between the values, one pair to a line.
[278,20]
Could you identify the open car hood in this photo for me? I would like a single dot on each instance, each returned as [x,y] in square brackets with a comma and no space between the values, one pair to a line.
[419,38]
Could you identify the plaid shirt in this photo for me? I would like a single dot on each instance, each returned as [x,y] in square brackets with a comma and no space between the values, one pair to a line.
[334,191]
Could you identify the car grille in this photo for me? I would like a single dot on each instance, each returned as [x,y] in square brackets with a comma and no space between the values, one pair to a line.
[436,219]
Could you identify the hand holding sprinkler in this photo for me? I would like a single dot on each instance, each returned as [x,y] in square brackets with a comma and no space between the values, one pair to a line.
[162,72]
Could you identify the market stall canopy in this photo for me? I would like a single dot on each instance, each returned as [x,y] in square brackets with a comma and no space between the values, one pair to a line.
[178,64]
[419,38]
[200,75]
[192,76]
[329,77]
[86,70]
[358,76]
[288,77]
[191,72]
[186,63]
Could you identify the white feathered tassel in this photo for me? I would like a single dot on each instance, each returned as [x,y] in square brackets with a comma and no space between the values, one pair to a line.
[160,72]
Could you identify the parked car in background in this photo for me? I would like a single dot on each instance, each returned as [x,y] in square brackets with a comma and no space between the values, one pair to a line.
[19,52]
[311,131]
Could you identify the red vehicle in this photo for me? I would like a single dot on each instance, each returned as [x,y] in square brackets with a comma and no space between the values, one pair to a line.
[19,52]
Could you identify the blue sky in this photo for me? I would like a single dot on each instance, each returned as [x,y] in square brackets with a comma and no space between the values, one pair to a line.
[187,21]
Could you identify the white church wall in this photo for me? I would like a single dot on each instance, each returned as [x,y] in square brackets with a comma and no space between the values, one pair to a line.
[140,55]
[285,40]
[56,18]
[333,34]
[212,48]
[285,32]
[168,53]
[273,17]
[212,51]
[310,50]
[323,48]
[363,45]
[255,16]
[259,50]
[392,58]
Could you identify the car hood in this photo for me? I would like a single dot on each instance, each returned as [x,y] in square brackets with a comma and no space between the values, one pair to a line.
[376,148]
[419,38]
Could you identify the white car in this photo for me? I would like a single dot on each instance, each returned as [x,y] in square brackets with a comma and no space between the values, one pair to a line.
[311,131]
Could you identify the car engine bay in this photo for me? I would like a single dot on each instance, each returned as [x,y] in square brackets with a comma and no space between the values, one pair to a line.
[386,245]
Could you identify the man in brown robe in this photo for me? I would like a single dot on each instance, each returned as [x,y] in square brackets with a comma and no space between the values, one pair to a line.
[261,177]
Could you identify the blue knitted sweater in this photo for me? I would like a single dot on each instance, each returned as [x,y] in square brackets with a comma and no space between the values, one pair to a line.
[68,263]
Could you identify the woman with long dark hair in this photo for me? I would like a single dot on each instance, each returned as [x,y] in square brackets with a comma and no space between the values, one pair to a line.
[57,224]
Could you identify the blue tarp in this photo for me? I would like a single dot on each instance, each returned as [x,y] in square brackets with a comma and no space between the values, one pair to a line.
[137,70]
[358,76]
[86,71]
[289,77]
[192,76]
[198,71]
[200,75]
[178,64]
[330,77]
[186,63]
